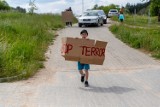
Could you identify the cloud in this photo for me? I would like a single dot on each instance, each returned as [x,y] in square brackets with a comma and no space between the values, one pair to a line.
[51,7]
[61,5]
[70,1]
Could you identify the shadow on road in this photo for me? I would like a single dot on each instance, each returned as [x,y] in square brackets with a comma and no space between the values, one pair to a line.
[113,89]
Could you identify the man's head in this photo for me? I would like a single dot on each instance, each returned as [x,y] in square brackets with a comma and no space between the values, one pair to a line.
[84,33]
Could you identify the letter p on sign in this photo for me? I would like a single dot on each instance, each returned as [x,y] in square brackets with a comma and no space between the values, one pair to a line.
[66,48]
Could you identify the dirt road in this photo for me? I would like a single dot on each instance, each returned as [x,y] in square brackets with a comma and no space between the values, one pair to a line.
[128,78]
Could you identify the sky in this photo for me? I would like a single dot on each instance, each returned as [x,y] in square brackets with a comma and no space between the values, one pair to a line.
[57,6]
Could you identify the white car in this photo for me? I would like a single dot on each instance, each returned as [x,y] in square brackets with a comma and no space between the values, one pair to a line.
[90,18]
[113,12]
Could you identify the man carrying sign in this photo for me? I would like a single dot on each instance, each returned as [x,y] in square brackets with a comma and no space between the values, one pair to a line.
[67,16]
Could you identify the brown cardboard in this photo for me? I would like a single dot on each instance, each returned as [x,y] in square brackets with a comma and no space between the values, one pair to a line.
[67,16]
[70,48]
[84,50]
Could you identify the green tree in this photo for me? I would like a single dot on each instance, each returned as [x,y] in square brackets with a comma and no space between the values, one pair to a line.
[22,10]
[33,7]
[155,6]
[95,6]
[4,5]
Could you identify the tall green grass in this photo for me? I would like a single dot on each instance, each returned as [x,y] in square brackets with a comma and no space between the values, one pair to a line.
[24,39]
[148,39]
[142,21]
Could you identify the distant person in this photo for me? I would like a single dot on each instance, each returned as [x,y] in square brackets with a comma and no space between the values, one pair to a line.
[69,9]
[69,23]
[121,17]
[83,68]
[121,10]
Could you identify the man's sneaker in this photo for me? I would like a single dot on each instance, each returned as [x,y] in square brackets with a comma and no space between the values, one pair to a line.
[82,78]
[86,84]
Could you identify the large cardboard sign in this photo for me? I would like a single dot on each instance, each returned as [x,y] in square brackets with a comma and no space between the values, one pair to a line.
[86,51]
[67,16]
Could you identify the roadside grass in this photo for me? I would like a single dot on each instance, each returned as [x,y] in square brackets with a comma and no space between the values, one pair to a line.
[142,21]
[24,40]
[147,39]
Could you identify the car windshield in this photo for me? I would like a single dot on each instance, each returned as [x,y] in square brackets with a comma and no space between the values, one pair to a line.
[102,13]
[90,14]
[113,10]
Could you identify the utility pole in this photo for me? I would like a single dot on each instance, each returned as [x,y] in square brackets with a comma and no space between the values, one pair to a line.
[135,16]
[82,6]
[149,17]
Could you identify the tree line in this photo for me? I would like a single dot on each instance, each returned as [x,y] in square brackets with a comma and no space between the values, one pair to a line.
[4,6]
[139,8]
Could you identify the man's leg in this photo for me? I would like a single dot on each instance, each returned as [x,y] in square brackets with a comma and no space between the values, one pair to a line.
[86,78]
[80,68]
[87,75]
[71,23]
[81,72]
[82,75]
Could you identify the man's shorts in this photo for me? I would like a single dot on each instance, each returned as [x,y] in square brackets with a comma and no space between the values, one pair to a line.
[83,66]
[121,20]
